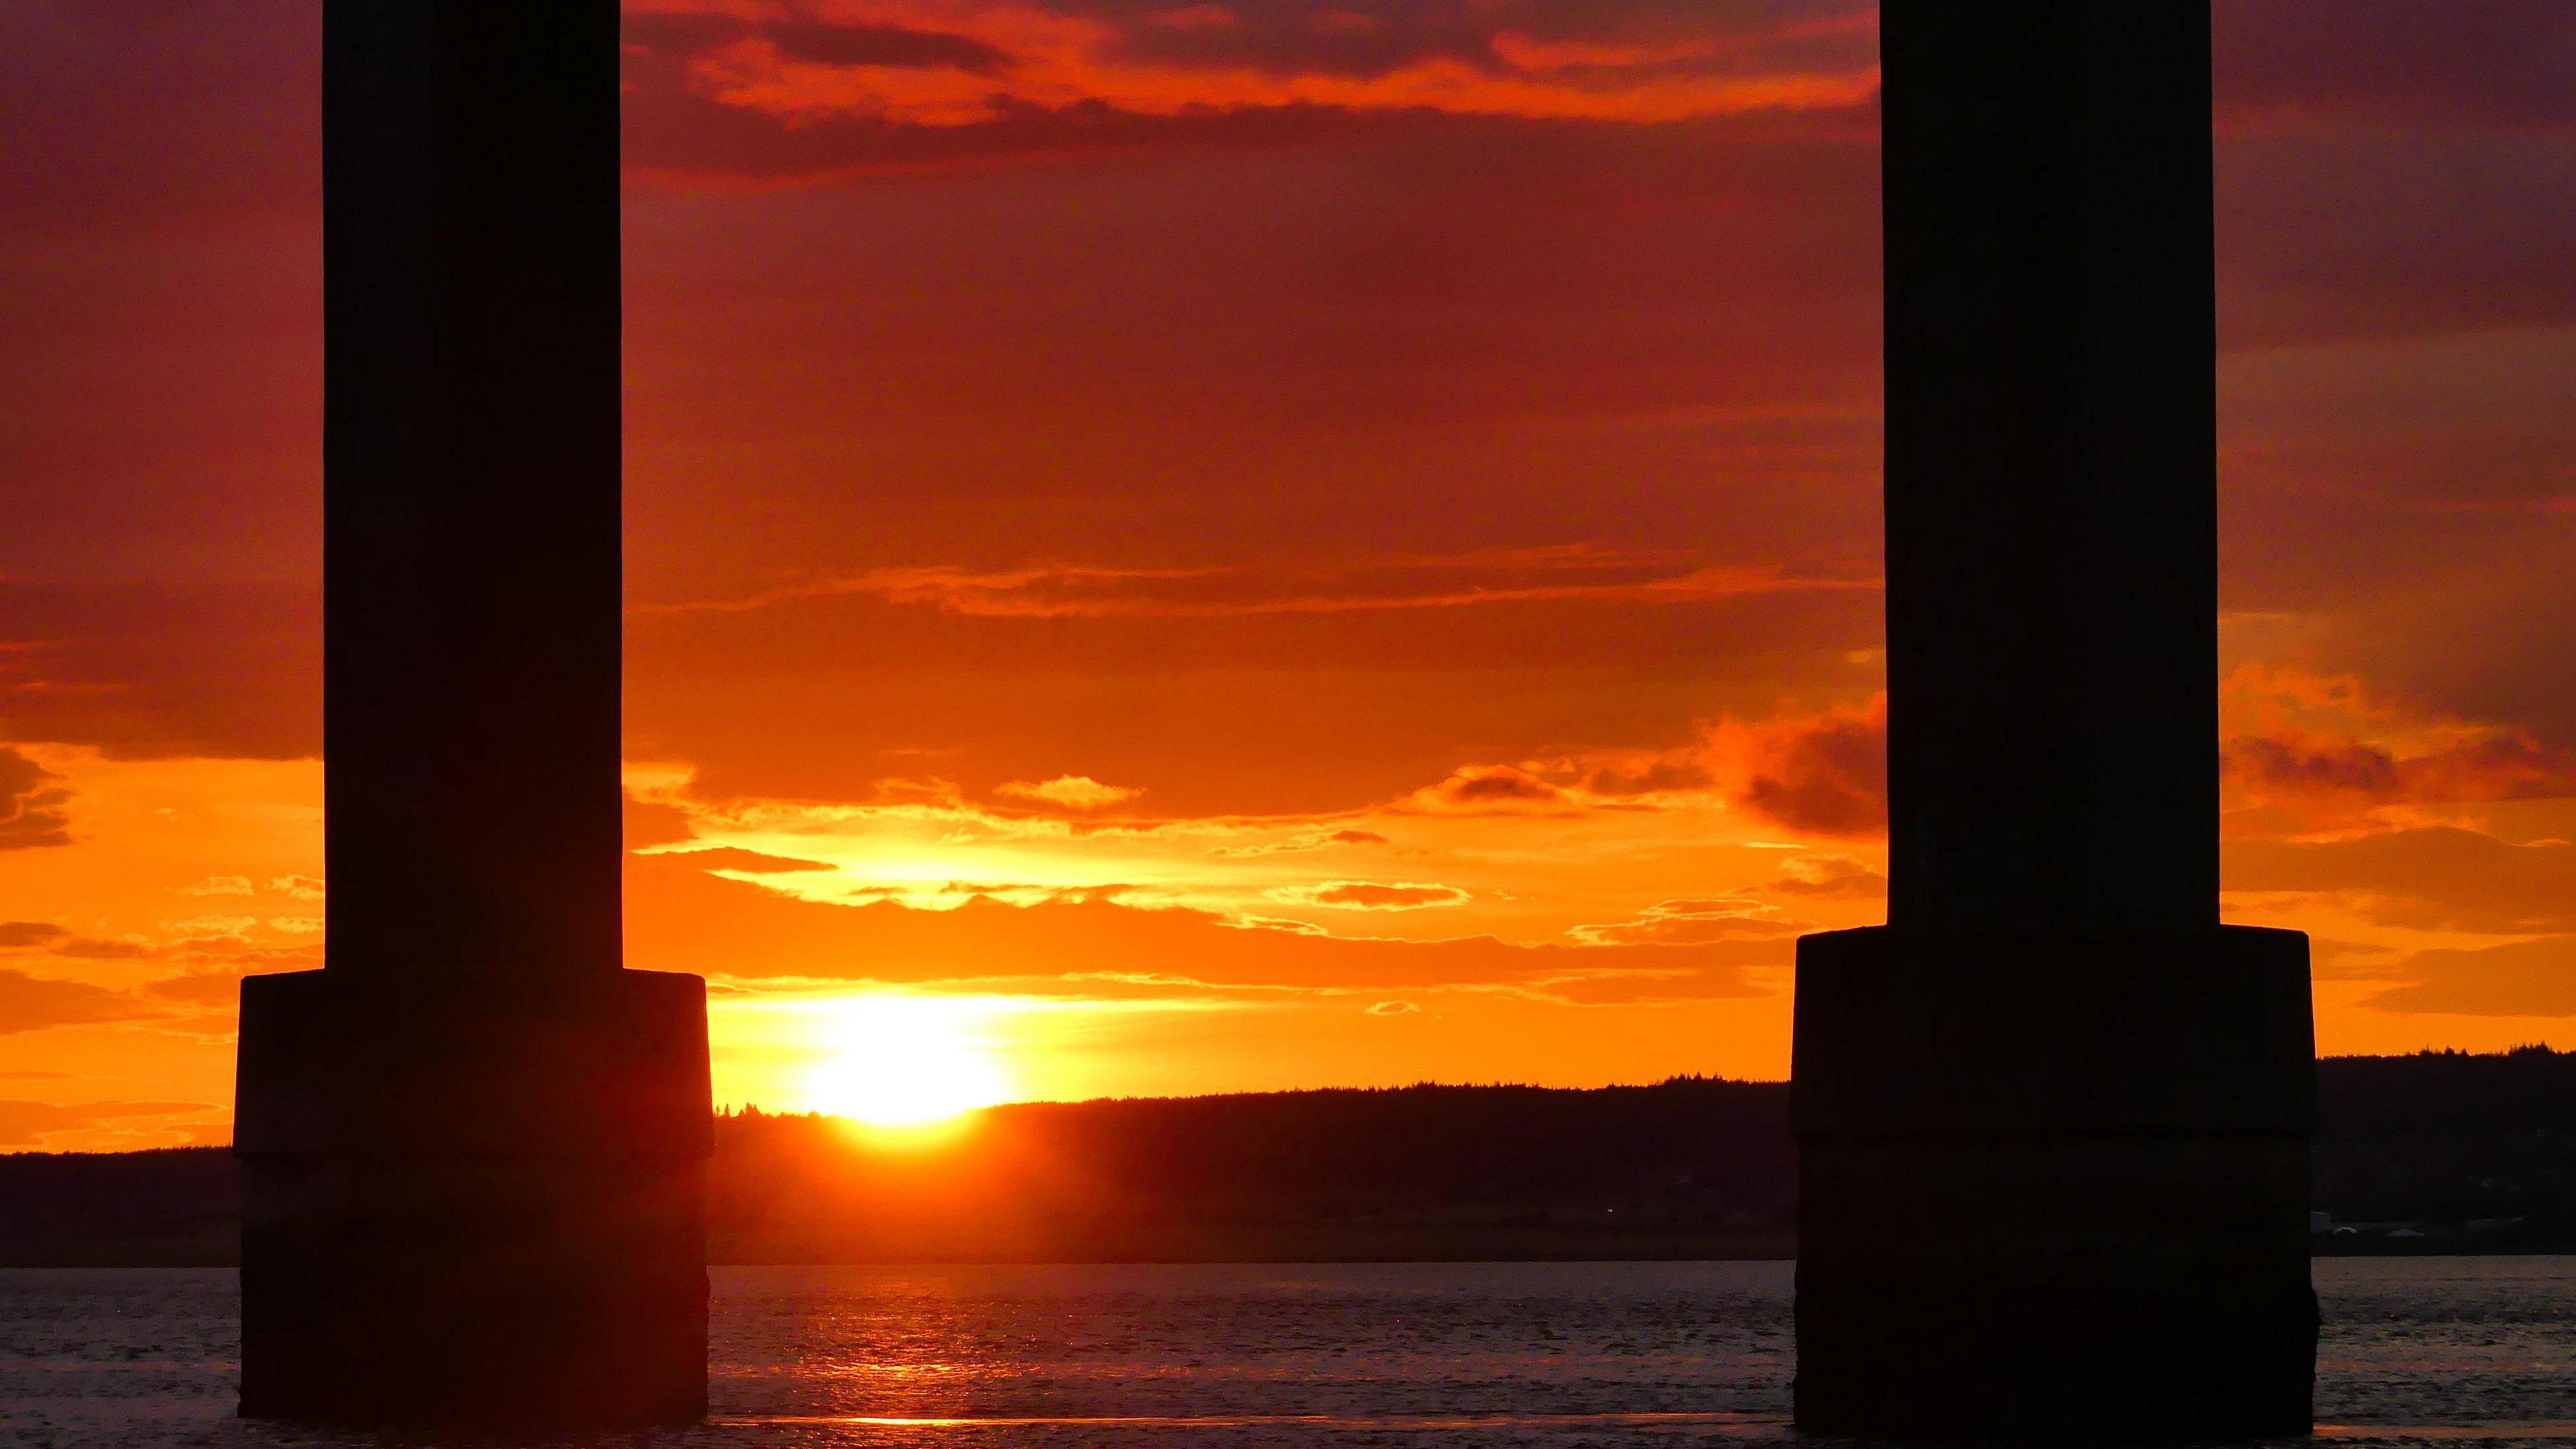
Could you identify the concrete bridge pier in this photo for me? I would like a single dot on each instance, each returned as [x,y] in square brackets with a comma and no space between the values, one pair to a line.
[2053,1118]
[473,1146]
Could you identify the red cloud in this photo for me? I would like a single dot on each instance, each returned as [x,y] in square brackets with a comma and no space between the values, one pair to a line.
[2505,765]
[1368,896]
[1824,774]
[229,670]
[1820,774]
[33,1003]
[680,918]
[748,862]
[2316,752]
[718,90]
[1069,792]
[54,940]
[1574,573]
[2523,978]
[31,804]
[2430,879]
[1738,917]
[1828,877]
[28,1124]
[2495,62]
[1490,790]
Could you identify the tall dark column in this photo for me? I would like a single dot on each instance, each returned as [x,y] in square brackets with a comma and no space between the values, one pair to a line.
[473,1144]
[2052,1117]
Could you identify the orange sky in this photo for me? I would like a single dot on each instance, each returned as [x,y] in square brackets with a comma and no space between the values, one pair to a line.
[1264,544]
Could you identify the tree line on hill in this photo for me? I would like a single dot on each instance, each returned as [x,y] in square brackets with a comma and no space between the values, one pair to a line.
[2433,1152]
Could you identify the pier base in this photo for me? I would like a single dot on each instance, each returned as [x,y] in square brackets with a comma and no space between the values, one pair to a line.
[468,1208]
[2015,1230]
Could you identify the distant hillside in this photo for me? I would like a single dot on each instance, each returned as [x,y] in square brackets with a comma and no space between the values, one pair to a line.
[1691,1168]
[2437,1152]
[2475,1152]
[174,1207]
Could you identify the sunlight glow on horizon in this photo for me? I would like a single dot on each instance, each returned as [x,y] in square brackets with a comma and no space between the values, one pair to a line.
[906,1061]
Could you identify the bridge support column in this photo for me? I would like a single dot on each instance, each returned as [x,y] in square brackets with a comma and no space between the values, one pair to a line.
[2053,1118]
[474,1145]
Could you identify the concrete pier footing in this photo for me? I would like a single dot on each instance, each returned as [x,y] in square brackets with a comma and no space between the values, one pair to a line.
[2054,1185]
[469,1212]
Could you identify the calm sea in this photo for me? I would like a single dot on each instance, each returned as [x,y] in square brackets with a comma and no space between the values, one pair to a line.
[2418,1351]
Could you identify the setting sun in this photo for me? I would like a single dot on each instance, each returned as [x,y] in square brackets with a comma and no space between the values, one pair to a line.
[904,1061]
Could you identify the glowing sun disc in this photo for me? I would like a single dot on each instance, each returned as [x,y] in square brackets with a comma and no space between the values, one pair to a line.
[902,1061]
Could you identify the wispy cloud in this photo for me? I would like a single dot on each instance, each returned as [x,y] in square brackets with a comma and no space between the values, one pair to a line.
[848,85]
[1559,574]
[1619,849]
[1071,792]
[32,804]
[2312,754]
[1360,895]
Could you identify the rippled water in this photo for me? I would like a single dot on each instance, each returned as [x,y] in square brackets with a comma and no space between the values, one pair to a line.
[2417,1351]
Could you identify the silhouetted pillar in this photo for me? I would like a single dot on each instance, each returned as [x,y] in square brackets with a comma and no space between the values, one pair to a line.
[473,1144]
[2053,1117]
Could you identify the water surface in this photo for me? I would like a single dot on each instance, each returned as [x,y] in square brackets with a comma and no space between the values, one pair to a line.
[2451,1351]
